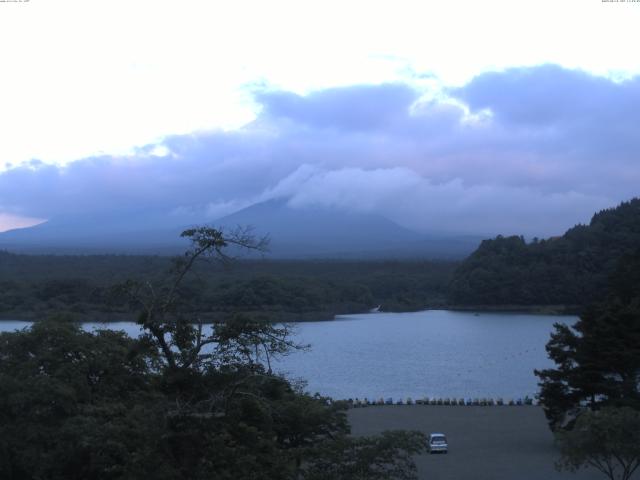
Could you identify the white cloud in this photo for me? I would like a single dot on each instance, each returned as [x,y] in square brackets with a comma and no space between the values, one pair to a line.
[87,77]
[417,203]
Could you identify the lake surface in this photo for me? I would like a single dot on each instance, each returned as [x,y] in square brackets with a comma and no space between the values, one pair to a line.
[434,353]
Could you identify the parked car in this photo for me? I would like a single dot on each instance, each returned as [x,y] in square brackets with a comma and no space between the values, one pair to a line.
[437,443]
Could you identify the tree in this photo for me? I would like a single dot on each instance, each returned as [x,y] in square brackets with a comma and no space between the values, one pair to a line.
[74,404]
[181,339]
[382,457]
[607,440]
[598,359]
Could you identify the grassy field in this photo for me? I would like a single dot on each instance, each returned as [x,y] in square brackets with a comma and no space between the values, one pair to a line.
[485,443]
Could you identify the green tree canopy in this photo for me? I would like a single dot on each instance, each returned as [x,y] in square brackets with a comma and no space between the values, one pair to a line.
[572,269]
[598,359]
[607,440]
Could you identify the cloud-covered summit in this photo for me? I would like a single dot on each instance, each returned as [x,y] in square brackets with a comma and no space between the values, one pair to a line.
[523,151]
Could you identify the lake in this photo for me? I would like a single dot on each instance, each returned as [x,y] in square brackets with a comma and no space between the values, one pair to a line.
[434,353]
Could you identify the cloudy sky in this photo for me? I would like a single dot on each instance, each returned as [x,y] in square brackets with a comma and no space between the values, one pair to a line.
[479,117]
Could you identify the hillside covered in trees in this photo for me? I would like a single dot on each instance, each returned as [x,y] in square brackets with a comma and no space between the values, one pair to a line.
[570,270]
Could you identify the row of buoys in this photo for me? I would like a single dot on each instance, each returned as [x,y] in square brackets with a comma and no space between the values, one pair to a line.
[482,402]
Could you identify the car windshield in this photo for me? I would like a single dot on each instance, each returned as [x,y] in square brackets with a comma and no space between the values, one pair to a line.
[438,439]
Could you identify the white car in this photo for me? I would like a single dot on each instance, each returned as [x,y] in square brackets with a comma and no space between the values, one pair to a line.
[437,443]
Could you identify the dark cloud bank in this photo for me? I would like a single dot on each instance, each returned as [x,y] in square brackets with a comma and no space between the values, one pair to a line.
[526,151]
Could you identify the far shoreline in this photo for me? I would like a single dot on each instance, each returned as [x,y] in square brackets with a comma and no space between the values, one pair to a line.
[292,317]
[569,310]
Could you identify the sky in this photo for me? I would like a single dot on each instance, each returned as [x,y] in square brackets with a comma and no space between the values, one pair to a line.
[460,117]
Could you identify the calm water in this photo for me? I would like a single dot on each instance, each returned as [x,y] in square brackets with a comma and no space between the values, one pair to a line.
[399,355]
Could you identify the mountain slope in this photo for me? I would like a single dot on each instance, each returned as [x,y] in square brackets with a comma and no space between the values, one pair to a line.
[94,235]
[570,270]
[313,232]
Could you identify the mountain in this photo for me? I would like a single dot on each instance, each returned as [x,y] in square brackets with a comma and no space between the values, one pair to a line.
[324,232]
[573,269]
[88,235]
[310,232]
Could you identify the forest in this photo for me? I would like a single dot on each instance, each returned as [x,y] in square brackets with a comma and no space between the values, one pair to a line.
[33,287]
[570,270]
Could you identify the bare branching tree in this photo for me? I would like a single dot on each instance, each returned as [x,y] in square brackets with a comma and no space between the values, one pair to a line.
[182,339]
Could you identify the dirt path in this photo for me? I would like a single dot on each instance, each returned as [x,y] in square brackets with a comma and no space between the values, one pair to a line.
[485,443]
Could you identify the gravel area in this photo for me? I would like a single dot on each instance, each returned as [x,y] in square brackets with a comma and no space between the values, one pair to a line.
[485,443]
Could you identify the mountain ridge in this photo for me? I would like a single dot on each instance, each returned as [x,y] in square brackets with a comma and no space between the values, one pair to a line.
[295,232]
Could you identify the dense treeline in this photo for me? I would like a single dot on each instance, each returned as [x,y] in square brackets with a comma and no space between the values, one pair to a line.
[33,287]
[568,270]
